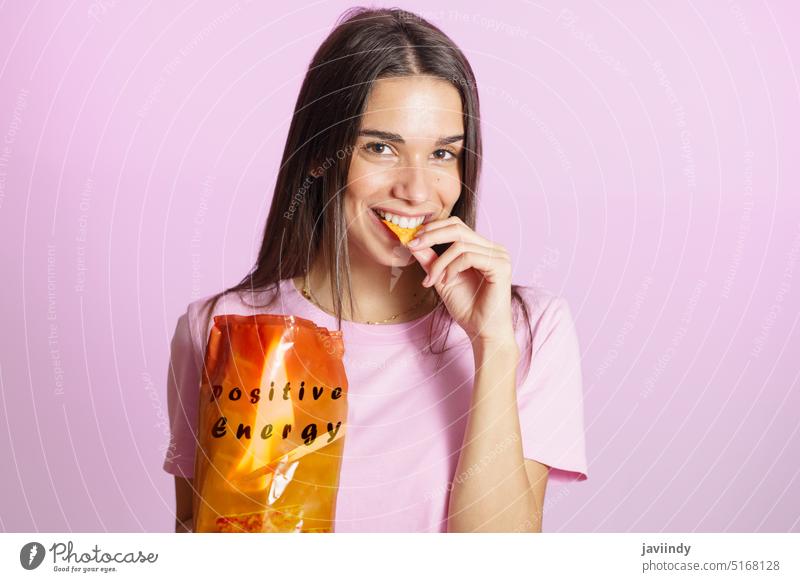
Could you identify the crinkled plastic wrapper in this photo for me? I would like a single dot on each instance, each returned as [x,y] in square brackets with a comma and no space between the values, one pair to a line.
[273,406]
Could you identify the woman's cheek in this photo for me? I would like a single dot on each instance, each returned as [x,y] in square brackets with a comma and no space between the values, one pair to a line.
[450,190]
[362,180]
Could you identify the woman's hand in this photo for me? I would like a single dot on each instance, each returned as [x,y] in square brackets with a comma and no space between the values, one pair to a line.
[473,278]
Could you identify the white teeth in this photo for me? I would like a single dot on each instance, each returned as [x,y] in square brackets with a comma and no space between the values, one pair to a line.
[401,221]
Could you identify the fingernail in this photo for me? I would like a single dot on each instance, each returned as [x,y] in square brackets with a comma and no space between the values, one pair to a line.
[426,281]
[413,242]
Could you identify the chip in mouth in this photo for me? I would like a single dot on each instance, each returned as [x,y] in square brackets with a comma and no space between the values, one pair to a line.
[404,234]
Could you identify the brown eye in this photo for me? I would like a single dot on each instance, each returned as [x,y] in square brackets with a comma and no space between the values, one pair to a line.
[444,155]
[378,148]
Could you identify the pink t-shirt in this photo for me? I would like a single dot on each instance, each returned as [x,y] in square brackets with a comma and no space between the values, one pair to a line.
[406,419]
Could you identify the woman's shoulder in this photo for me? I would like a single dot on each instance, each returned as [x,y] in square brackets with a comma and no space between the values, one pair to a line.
[550,321]
[239,301]
[200,312]
[541,303]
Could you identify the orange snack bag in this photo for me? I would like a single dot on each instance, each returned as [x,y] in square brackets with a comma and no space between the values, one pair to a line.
[404,234]
[271,429]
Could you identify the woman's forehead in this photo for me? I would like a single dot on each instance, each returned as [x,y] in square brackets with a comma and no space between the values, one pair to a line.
[414,107]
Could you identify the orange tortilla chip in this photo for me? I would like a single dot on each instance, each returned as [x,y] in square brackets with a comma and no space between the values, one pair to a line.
[404,234]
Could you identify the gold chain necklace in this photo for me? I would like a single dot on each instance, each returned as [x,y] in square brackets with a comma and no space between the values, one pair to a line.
[307,295]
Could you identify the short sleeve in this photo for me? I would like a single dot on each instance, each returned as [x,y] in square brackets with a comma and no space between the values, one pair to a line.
[550,394]
[183,388]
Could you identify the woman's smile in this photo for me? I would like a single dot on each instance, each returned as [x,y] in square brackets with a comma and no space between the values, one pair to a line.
[404,221]
[387,232]
[401,219]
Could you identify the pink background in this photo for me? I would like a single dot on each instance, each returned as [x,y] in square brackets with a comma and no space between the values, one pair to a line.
[641,160]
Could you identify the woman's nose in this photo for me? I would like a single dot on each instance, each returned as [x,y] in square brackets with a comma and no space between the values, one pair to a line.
[414,184]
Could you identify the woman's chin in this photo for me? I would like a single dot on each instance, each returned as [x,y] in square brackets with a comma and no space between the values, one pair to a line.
[385,253]
[401,256]
[398,256]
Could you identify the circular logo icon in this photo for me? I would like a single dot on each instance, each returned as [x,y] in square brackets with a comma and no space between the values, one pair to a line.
[31,555]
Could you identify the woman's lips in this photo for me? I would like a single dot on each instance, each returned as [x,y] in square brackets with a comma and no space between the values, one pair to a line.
[425,217]
[403,234]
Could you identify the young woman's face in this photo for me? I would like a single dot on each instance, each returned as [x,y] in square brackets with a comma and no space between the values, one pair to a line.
[406,162]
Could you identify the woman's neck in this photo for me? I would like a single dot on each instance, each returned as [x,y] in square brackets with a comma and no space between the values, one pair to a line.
[379,292]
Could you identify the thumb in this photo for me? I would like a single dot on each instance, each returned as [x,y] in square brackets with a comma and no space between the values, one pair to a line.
[425,257]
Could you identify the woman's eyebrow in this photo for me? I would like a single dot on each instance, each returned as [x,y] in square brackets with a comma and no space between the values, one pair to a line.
[397,138]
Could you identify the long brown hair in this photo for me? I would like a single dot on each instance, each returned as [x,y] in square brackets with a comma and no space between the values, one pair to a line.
[307,215]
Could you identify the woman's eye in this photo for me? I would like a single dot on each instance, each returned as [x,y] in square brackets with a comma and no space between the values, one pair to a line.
[379,148]
[444,155]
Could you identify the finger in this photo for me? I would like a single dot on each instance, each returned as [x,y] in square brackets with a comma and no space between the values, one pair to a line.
[487,265]
[448,234]
[435,224]
[425,257]
[439,265]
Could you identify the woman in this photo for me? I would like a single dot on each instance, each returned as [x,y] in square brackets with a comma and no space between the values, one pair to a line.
[464,390]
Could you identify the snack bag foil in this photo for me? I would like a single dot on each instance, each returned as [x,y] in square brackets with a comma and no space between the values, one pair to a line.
[271,429]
